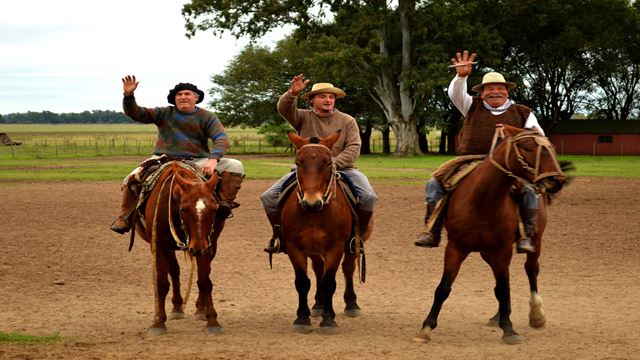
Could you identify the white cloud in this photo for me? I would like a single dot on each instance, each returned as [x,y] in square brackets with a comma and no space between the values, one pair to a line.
[69,55]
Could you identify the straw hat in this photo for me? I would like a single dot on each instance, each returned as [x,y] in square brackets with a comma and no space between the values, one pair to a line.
[493,78]
[320,88]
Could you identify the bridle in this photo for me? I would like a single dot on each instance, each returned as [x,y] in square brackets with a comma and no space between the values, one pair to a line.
[183,245]
[330,191]
[542,142]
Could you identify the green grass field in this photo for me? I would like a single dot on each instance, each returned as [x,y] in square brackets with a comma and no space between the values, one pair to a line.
[109,152]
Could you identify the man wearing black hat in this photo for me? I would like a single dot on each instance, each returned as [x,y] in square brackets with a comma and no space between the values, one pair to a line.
[184,130]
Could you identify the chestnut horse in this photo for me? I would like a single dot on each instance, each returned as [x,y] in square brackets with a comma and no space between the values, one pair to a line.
[316,225]
[482,216]
[180,215]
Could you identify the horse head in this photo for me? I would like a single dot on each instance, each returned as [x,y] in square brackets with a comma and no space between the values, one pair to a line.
[527,156]
[315,170]
[197,209]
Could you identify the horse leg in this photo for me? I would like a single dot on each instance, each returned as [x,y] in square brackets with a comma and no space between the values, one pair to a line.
[500,269]
[176,299]
[317,264]
[350,298]
[453,259]
[328,324]
[161,290]
[537,318]
[200,301]
[302,323]
[205,288]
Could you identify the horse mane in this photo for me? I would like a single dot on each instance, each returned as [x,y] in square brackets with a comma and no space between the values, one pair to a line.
[314,140]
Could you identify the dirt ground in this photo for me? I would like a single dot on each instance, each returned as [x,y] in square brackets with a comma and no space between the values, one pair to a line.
[62,271]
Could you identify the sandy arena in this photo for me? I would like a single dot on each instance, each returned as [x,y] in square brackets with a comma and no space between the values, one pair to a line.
[62,271]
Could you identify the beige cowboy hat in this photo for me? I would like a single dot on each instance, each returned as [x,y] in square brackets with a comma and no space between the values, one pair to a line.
[320,88]
[493,78]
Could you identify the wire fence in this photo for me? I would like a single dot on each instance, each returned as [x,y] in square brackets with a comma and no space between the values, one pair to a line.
[78,147]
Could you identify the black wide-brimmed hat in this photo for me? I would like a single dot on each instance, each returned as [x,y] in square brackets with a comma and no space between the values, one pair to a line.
[171,98]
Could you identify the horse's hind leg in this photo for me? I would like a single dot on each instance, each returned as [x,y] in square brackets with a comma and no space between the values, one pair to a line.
[317,264]
[537,318]
[350,298]
[205,288]
[453,259]
[176,299]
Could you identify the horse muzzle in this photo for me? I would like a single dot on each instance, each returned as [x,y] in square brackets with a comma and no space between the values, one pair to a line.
[312,205]
[553,184]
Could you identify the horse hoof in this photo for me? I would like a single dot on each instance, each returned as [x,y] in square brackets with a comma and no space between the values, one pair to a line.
[176,315]
[512,339]
[424,335]
[352,312]
[301,329]
[155,331]
[537,323]
[212,330]
[316,312]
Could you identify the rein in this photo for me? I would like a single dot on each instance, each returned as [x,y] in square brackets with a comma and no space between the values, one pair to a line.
[542,142]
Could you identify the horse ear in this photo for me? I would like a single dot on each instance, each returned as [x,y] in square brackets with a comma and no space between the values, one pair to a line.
[330,140]
[182,182]
[297,140]
[509,130]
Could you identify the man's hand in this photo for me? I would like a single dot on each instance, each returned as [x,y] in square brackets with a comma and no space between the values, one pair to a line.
[463,63]
[298,84]
[210,167]
[129,84]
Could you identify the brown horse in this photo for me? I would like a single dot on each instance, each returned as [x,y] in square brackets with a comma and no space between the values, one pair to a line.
[180,215]
[316,224]
[482,216]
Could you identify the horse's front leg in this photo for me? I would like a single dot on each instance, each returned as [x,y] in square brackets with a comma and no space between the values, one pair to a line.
[453,259]
[537,318]
[317,264]
[176,299]
[328,324]
[350,298]
[205,288]
[302,323]
[161,282]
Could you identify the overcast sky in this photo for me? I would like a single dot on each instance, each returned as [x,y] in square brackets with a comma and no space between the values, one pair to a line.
[68,56]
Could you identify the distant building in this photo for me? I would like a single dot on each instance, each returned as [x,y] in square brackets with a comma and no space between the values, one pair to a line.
[597,137]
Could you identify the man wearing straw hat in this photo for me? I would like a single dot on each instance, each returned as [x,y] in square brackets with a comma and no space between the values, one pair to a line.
[481,114]
[322,120]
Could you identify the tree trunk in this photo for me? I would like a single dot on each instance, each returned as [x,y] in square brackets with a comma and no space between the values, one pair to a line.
[386,141]
[365,138]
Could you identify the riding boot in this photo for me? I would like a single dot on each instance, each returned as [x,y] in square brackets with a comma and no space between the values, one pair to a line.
[127,206]
[276,244]
[430,237]
[364,218]
[525,243]
[229,185]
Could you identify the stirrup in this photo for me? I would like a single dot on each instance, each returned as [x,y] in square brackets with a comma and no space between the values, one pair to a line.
[524,246]
[350,247]
[274,246]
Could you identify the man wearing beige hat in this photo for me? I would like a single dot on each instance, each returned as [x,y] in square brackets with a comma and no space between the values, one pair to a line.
[321,120]
[481,114]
